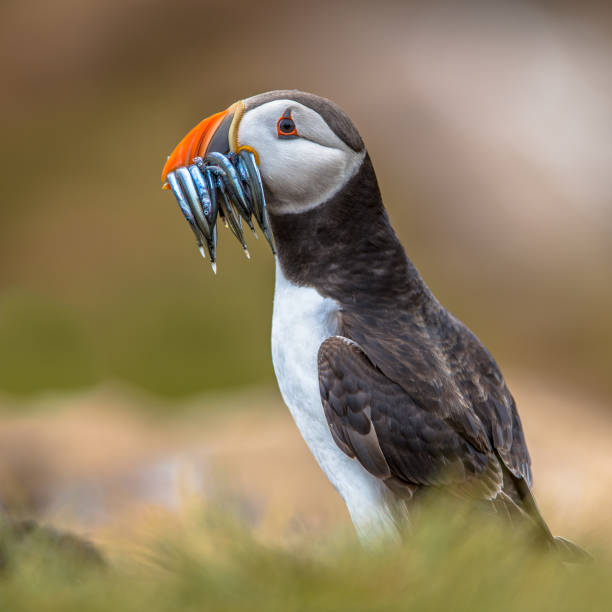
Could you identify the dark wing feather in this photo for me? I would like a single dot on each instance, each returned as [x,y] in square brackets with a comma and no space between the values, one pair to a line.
[373,419]
[483,384]
[442,366]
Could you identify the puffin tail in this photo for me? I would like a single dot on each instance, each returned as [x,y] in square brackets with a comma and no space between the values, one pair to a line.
[566,549]
[570,552]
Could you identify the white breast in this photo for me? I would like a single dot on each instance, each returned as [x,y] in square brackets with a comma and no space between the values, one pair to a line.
[302,320]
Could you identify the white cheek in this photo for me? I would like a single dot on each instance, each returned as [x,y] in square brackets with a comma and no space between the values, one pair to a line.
[302,174]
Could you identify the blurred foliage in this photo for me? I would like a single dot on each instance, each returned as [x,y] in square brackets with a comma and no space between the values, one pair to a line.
[43,346]
[213,562]
[99,275]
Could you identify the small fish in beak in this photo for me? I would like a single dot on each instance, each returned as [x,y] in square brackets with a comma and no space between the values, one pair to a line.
[208,180]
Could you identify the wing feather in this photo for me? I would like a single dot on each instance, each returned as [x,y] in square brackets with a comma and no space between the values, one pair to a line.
[373,419]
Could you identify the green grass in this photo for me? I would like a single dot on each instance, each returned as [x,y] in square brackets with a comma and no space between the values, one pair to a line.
[212,562]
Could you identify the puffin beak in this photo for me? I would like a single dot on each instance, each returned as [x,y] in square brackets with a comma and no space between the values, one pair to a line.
[211,134]
[210,175]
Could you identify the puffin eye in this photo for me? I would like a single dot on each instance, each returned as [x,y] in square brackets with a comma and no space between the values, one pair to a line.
[285,126]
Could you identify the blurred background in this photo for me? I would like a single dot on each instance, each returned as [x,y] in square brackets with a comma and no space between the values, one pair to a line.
[123,359]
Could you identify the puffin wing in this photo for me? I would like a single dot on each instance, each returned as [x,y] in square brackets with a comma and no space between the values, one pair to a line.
[485,389]
[453,377]
[374,419]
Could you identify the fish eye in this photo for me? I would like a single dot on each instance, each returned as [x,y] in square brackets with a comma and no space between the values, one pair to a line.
[285,126]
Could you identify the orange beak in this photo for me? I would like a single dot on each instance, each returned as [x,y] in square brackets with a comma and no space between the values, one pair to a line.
[197,141]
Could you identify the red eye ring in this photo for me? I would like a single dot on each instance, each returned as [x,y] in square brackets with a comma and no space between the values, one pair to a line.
[285,126]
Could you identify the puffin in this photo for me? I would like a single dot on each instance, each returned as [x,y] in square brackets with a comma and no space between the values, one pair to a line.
[393,395]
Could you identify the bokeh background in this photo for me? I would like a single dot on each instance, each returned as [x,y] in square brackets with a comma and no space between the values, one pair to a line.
[126,366]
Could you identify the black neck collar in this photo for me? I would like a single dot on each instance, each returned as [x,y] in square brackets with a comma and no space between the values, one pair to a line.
[347,250]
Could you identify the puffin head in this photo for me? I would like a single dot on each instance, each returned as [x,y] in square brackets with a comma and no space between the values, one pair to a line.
[303,148]
[308,148]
